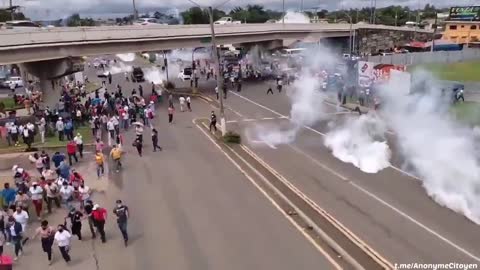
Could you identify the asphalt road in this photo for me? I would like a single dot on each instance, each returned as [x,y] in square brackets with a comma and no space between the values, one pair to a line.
[389,210]
[190,209]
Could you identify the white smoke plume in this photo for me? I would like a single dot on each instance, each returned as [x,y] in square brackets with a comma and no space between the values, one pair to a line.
[119,67]
[155,75]
[126,57]
[360,141]
[441,150]
[295,17]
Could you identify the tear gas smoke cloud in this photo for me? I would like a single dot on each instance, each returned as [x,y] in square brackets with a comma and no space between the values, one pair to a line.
[295,17]
[154,75]
[119,67]
[360,141]
[126,57]
[442,151]
[306,98]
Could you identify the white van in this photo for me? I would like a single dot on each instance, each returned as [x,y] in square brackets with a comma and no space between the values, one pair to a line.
[21,25]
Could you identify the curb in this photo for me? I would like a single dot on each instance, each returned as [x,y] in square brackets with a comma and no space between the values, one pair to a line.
[22,149]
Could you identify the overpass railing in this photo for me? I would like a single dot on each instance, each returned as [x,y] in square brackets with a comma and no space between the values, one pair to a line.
[417,58]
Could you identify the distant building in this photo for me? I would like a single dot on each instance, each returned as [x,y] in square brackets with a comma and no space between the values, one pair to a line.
[463,25]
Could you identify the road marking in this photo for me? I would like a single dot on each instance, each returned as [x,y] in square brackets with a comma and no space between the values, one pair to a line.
[339,226]
[268,118]
[235,112]
[272,201]
[249,120]
[398,211]
[316,131]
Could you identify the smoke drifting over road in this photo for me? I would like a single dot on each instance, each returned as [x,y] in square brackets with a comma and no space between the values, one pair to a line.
[360,141]
[119,67]
[154,75]
[126,57]
[442,151]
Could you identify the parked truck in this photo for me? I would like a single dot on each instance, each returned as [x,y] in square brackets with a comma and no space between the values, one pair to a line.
[227,20]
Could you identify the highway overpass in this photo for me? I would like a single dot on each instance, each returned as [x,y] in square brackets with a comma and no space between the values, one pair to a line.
[20,46]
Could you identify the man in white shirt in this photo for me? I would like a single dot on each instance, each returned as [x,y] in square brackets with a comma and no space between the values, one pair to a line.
[36,193]
[62,237]
[79,142]
[84,193]
[66,193]
[111,131]
[182,103]
[116,124]
[52,191]
[21,216]
[60,126]
[41,129]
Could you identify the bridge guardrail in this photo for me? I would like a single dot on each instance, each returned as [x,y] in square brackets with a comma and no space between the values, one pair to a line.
[417,58]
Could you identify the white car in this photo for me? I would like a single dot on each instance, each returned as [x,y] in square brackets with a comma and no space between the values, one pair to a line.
[185,74]
[16,80]
[148,21]
[226,20]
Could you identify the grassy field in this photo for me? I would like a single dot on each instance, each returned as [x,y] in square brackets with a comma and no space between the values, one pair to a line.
[49,141]
[9,103]
[462,71]
[468,112]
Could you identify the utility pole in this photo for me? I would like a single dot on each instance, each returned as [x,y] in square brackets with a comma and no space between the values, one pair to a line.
[135,12]
[12,10]
[223,122]
[435,32]
[283,17]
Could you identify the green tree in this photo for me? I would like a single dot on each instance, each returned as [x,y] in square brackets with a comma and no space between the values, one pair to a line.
[5,15]
[195,15]
[75,20]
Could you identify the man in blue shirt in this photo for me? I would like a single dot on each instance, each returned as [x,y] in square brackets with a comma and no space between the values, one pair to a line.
[57,158]
[8,194]
[64,170]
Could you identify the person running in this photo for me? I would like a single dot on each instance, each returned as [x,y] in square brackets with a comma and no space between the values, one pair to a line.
[36,193]
[53,192]
[47,234]
[99,215]
[75,217]
[181,100]
[63,237]
[79,143]
[100,161]
[122,213]
[155,140]
[116,154]
[72,152]
[16,233]
[189,104]
[213,121]
[139,145]
[171,110]
[270,90]
[88,208]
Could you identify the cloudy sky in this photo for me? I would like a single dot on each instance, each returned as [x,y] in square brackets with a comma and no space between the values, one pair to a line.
[53,9]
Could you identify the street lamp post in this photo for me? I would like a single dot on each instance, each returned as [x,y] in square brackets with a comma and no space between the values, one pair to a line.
[350,40]
[165,63]
[135,13]
[283,17]
[223,122]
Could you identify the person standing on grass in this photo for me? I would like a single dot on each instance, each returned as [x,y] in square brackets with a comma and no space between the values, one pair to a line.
[171,110]
[99,215]
[72,152]
[79,143]
[36,193]
[60,128]
[155,140]
[100,161]
[47,234]
[63,237]
[122,213]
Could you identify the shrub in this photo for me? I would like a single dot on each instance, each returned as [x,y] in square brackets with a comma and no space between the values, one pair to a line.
[232,137]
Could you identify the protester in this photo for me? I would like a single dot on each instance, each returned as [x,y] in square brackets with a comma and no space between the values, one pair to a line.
[182,103]
[155,140]
[60,128]
[100,160]
[72,152]
[36,193]
[46,160]
[122,213]
[79,143]
[213,121]
[189,103]
[47,234]
[75,217]
[116,153]
[138,145]
[16,231]
[53,192]
[57,159]
[99,215]
[62,237]
[88,208]
[171,110]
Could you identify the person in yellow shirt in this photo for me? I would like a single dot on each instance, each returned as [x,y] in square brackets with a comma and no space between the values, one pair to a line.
[116,154]
[100,160]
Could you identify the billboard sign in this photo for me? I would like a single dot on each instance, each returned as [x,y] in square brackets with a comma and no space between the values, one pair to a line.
[370,73]
[469,13]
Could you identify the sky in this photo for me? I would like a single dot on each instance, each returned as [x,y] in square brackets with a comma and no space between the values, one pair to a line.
[55,9]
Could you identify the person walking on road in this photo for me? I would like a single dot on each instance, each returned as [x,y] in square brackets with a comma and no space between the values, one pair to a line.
[116,154]
[75,217]
[72,152]
[53,192]
[189,104]
[79,143]
[36,193]
[182,103]
[213,122]
[140,90]
[88,208]
[63,237]
[111,131]
[139,145]
[171,110]
[155,140]
[122,213]
[16,234]
[100,161]
[47,234]
[270,90]
[99,215]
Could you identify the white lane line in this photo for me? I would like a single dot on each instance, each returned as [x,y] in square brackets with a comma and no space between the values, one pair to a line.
[235,112]
[249,120]
[259,105]
[396,210]
[377,198]
[268,118]
[272,201]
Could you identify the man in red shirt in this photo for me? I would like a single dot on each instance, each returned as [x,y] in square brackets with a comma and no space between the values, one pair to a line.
[72,152]
[99,216]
